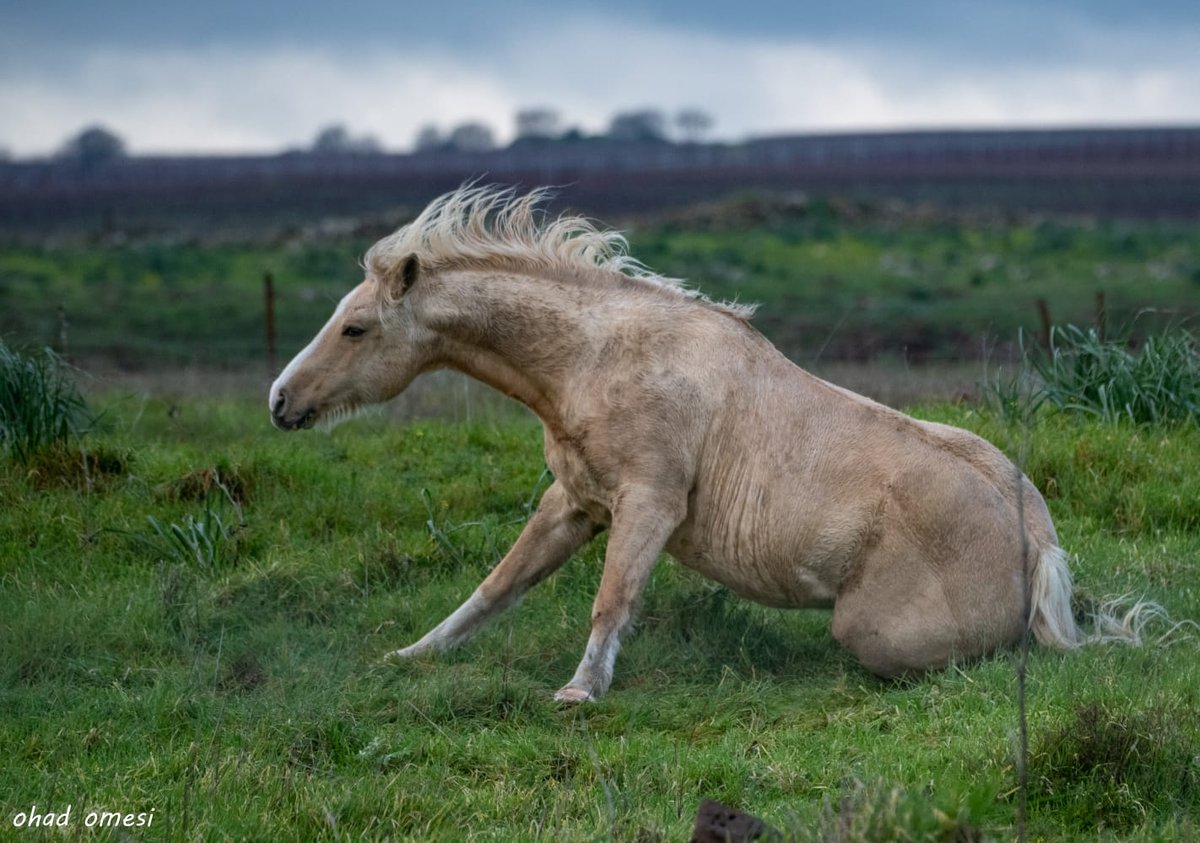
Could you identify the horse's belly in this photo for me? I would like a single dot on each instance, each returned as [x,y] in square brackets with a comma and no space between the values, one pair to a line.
[779,582]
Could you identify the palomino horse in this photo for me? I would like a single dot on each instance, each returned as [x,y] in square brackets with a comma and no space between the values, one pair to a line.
[674,424]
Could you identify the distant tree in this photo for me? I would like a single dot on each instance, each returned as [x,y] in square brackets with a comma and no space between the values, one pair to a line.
[537,123]
[336,140]
[693,124]
[94,145]
[331,139]
[644,125]
[471,137]
[429,138]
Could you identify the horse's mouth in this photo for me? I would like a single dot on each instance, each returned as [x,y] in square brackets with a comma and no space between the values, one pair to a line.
[303,422]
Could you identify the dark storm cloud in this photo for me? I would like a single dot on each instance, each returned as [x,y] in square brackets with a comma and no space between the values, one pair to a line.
[264,75]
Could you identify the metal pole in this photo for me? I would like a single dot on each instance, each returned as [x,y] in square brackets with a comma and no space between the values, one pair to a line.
[269,305]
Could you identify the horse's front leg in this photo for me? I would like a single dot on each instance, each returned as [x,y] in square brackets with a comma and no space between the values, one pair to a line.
[554,532]
[643,520]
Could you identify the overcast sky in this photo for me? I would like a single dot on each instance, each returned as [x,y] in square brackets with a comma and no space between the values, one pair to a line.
[240,75]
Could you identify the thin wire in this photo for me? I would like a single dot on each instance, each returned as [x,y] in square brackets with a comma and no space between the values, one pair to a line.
[1023,655]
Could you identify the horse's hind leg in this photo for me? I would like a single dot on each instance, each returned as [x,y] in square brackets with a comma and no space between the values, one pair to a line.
[556,530]
[904,613]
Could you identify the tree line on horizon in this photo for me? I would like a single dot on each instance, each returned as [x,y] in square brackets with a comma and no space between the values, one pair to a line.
[95,144]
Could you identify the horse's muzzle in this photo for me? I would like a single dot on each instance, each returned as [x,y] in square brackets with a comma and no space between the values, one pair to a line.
[302,422]
[284,419]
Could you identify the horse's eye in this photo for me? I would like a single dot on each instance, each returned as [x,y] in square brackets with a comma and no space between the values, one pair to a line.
[353,331]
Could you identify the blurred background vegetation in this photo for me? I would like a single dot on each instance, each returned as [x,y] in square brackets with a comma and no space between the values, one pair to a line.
[837,280]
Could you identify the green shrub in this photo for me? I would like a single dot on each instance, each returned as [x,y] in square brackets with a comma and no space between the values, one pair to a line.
[40,403]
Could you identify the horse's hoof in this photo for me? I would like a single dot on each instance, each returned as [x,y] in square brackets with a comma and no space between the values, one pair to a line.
[403,654]
[573,695]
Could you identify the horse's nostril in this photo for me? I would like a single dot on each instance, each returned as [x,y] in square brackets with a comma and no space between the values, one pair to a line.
[279,402]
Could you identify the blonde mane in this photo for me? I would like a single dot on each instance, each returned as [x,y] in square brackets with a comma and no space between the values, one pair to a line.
[487,226]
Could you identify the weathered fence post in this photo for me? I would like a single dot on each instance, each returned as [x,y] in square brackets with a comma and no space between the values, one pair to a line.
[1044,316]
[62,332]
[269,306]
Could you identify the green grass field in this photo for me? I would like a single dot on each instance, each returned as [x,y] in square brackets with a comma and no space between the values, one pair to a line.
[233,688]
[836,281]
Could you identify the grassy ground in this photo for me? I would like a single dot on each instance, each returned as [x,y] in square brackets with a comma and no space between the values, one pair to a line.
[854,282]
[236,693]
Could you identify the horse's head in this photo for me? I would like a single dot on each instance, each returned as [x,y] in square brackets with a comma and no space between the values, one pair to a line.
[369,351]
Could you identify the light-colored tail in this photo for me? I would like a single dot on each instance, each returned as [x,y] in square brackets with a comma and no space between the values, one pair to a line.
[1050,615]
[1122,620]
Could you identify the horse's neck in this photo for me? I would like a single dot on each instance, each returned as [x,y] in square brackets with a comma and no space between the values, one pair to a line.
[518,334]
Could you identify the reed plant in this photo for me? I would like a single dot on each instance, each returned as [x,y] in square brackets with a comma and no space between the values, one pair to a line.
[1112,380]
[40,403]
[1154,381]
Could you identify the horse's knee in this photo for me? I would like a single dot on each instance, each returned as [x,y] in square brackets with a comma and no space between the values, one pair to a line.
[896,646]
[875,652]
[864,640]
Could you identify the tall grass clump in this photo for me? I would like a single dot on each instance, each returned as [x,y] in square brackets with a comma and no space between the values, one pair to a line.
[40,403]
[1084,372]
[208,542]
[891,814]
[1157,384]
[202,541]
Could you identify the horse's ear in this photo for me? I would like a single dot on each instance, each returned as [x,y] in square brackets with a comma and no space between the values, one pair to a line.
[404,276]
